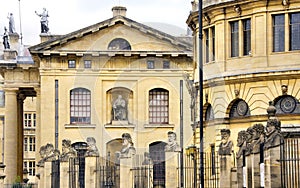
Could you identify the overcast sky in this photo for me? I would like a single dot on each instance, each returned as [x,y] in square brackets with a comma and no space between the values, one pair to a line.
[66,16]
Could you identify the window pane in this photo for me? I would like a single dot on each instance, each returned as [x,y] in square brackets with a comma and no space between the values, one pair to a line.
[166,64]
[247,36]
[295,31]
[213,43]
[278,33]
[80,106]
[150,64]
[158,106]
[234,39]
[206,45]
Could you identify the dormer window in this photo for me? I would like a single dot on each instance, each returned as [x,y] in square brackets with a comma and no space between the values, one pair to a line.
[119,44]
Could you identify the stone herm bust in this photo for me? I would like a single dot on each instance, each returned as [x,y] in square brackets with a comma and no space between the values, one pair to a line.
[225,147]
[172,145]
[67,150]
[273,135]
[92,149]
[127,150]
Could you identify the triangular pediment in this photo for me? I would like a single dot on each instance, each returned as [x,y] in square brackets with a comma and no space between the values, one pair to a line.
[97,38]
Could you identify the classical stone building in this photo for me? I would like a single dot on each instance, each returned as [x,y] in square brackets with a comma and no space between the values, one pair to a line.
[250,57]
[91,86]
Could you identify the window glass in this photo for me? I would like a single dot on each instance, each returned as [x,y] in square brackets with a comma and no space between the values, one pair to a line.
[295,31]
[119,44]
[166,64]
[159,106]
[247,36]
[150,64]
[278,33]
[80,108]
[87,64]
[234,38]
[72,64]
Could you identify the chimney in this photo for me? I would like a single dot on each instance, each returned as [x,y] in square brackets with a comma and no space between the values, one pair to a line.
[119,11]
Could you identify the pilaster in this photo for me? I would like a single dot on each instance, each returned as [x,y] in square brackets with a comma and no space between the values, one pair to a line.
[10,135]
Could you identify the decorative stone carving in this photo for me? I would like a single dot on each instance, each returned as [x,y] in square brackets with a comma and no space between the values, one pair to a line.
[237,9]
[241,143]
[67,150]
[5,39]
[127,150]
[48,153]
[225,147]
[11,23]
[236,93]
[172,145]
[273,134]
[249,138]
[92,149]
[284,89]
[258,135]
[120,109]
[44,20]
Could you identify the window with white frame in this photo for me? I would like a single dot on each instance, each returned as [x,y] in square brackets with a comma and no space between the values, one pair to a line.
[29,143]
[29,119]
[30,166]
[158,106]
[80,106]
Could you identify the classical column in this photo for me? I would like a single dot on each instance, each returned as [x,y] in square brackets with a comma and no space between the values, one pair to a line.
[10,135]
[38,123]
[20,101]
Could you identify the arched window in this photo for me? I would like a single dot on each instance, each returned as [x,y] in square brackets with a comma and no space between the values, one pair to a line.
[209,113]
[119,44]
[287,104]
[158,106]
[80,106]
[239,109]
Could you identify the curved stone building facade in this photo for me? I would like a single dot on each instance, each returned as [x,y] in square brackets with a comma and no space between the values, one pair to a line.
[250,57]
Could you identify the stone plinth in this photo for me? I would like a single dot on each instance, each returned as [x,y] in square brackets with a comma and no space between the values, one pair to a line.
[255,172]
[10,54]
[225,171]
[249,170]
[64,174]
[90,171]
[126,177]
[14,41]
[172,161]
[272,168]
[239,171]
[45,175]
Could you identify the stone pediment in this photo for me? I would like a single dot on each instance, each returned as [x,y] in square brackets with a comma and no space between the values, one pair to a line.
[96,39]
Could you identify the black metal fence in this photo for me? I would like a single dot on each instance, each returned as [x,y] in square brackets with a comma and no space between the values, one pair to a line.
[290,162]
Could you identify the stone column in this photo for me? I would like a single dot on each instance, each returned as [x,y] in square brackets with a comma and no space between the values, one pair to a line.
[38,124]
[126,176]
[172,161]
[90,171]
[10,135]
[20,139]
[272,168]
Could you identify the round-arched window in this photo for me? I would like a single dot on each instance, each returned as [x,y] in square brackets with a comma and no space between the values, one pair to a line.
[119,44]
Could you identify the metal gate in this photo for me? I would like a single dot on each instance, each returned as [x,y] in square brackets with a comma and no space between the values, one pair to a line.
[290,162]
